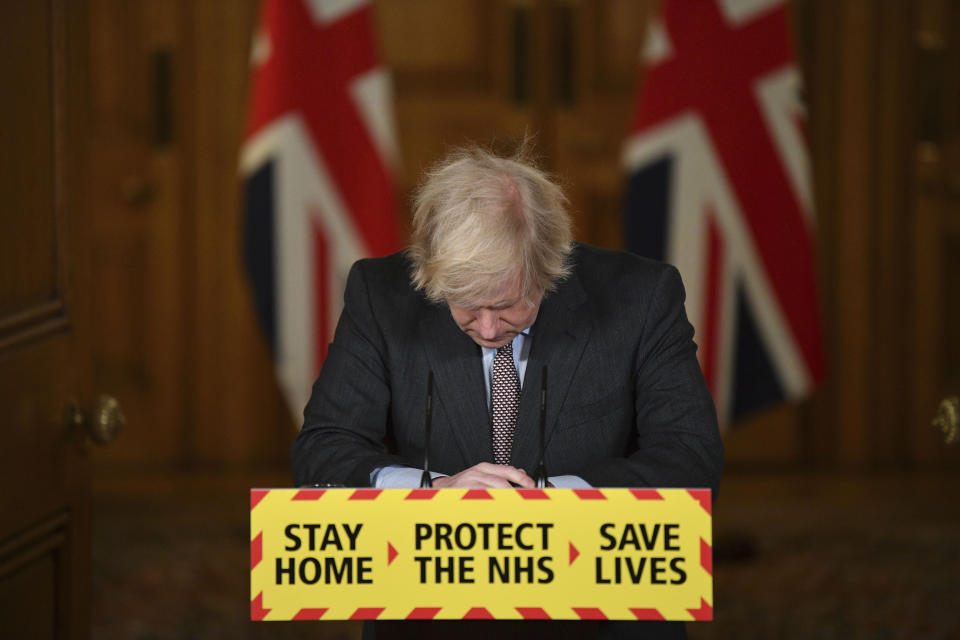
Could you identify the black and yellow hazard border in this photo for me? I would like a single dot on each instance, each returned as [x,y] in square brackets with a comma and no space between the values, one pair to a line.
[562,554]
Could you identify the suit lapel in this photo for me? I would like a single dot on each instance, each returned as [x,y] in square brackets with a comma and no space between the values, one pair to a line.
[458,385]
[560,335]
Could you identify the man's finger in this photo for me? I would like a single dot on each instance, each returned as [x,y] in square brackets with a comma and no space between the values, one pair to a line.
[508,473]
[472,479]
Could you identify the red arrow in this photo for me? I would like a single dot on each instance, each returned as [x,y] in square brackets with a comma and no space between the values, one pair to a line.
[573,553]
[391,553]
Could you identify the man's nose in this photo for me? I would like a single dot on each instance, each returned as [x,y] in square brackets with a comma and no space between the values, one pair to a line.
[488,324]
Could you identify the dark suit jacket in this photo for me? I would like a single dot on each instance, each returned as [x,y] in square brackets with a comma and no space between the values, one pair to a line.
[626,402]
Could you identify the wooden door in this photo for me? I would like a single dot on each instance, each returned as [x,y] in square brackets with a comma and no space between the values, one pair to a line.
[935,214]
[44,359]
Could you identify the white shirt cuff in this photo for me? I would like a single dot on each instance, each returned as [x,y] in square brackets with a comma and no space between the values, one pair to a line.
[569,482]
[398,477]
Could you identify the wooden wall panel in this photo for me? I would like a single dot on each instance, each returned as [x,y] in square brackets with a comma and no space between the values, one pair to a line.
[135,170]
[44,308]
[889,344]
[852,210]
[589,126]
[176,341]
[235,410]
[30,268]
[612,47]
[819,39]
[443,49]
[450,95]
[935,214]
[30,586]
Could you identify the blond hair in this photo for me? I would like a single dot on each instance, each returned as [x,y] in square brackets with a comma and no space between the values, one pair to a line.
[484,222]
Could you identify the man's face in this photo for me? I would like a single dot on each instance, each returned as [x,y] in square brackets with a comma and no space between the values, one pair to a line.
[496,322]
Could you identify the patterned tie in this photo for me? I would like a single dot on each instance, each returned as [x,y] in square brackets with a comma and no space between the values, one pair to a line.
[504,401]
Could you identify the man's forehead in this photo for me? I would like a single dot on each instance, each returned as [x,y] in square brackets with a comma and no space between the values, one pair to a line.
[508,295]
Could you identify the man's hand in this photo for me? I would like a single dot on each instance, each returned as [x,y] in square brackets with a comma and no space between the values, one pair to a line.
[486,476]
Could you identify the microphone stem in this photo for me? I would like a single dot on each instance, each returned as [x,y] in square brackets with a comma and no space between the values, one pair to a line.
[541,473]
[426,482]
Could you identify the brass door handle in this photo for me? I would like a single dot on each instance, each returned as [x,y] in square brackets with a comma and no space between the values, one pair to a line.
[108,420]
[948,419]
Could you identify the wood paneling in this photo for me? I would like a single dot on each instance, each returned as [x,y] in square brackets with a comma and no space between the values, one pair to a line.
[612,34]
[44,354]
[34,566]
[136,191]
[176,341]
[441,51]
[589,128]
[934,210]
[452,94]
[851,212]
[235,406]
[31,260]
[888,438]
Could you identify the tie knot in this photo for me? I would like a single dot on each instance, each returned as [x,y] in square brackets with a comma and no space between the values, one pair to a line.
[507,348]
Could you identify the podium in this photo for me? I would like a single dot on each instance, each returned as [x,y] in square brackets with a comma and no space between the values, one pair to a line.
[474,554]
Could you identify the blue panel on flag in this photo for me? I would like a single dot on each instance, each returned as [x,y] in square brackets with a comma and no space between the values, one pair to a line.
[646,204]
[258,247]
[756,384]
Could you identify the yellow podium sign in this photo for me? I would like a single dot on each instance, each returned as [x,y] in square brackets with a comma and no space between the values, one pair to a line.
[561,554]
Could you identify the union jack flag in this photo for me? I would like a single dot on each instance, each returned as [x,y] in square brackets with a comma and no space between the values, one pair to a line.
[719,185]
[317,164]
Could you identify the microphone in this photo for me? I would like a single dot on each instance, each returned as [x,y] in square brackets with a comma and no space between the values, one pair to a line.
[540,475]
[426,482]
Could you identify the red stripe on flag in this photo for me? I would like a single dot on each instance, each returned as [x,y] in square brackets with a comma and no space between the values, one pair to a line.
[423,613]
[590,613]
[704,613]
[712,311]
[477,494]
[646,494]
[256,495]
[367,613]
[647,614]
[706,556]
[421,494]
[800,122]
[309,494]
[702,496]
[323,268]
[365,494]
[533,494]
[478,613]
[590,494]
[256,551]
[533,613]
[257,612]
[309,614]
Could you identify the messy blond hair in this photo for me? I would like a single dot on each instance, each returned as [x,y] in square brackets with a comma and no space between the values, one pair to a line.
[483,222]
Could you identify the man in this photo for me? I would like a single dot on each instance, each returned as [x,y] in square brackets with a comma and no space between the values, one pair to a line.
[491,265]
[491,293]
